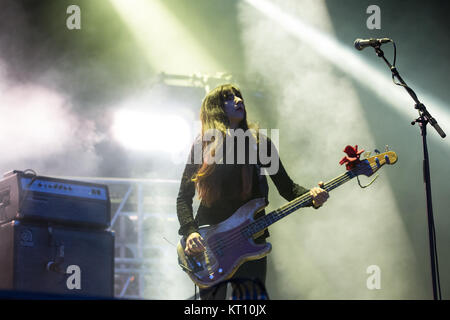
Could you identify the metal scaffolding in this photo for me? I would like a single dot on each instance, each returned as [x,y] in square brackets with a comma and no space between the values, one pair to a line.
[143,217]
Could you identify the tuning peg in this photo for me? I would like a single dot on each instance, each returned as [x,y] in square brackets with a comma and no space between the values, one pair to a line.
[367,154]
[377,151]
[386,148]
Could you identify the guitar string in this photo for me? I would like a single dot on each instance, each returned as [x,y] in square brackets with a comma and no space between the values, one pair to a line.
[286,210]
[294,204]
[238,234]
[287,207]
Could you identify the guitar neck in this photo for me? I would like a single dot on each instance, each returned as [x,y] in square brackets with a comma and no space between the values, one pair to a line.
[292,206]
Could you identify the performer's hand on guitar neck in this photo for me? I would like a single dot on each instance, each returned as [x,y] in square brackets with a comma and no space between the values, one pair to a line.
[194,244]
[318,195]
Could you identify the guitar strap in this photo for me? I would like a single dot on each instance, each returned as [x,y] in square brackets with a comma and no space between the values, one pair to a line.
[262,179]
[264,190]
[262,182]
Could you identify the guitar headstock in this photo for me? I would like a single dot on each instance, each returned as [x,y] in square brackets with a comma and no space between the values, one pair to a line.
[370,165]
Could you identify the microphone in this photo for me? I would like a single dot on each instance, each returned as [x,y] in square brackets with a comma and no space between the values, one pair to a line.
[363,43]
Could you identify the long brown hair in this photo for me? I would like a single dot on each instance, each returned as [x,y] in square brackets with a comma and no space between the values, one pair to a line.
[210,178]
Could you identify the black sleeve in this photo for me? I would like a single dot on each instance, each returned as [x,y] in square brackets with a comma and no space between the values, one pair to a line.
[185,197]
[287,188]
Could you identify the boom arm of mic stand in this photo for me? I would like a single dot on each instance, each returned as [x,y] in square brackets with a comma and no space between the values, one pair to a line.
[420,106]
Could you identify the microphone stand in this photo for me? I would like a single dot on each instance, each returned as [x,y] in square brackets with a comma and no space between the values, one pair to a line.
[423,120]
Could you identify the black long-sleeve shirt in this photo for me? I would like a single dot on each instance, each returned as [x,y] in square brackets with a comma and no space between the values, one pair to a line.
[223,208]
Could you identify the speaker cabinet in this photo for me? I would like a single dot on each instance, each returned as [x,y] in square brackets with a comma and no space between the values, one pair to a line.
[55,259]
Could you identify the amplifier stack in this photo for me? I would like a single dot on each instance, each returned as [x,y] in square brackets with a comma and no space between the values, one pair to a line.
[54,237]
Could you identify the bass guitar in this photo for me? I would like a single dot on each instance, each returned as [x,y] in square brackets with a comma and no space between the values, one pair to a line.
[231,243]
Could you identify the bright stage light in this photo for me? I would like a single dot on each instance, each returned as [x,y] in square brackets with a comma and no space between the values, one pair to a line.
[141,131]
[166,41]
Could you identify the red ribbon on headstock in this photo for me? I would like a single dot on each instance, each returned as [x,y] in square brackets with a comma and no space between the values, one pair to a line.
[352,157]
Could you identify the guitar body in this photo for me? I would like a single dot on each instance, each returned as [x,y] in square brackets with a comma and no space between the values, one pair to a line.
[227,247]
